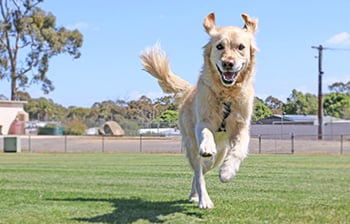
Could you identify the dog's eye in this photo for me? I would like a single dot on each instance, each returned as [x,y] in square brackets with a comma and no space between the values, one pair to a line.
[219,47]
[241,47]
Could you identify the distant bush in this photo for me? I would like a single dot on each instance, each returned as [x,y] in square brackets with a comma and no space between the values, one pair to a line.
[152,134]
[75,127]
[53,125]
[130,127]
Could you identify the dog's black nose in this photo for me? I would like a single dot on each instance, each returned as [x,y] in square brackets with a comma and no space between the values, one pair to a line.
[228,64]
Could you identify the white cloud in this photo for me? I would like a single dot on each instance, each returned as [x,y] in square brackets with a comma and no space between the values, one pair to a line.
[340,39]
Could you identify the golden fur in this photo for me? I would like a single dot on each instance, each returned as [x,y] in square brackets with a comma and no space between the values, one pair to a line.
[226,80]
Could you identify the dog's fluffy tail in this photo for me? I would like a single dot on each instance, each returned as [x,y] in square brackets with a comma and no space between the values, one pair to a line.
[156,63]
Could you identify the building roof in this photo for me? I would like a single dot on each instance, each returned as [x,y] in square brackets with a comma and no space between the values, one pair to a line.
[9,103]
[299,119]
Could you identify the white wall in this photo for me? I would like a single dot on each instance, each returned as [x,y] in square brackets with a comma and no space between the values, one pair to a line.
[8,112]
[330,130]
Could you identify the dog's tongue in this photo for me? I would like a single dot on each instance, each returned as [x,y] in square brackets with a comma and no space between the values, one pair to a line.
[229,76]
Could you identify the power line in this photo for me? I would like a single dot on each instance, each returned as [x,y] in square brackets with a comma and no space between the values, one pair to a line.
[335,49]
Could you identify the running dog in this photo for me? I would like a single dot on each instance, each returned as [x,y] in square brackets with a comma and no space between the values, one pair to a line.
[215,114]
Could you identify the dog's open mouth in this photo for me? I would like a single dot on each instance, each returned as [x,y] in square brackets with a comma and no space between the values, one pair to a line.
[228,78]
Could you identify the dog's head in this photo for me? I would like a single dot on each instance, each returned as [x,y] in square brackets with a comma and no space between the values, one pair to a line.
[230,49]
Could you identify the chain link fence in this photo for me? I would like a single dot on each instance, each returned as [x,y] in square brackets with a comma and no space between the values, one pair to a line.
[259,144]
[290,144]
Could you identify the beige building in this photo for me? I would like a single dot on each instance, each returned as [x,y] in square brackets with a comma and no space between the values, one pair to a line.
[12,117]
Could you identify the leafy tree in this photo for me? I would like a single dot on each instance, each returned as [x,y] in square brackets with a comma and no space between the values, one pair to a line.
[29,38]
[121,103]
[104,111]
[43,109]
[166,103]
[337,105]
[24,96]
[340,87]
[141,110]
[170,117]
[261,110]
[78,113]
[274,104]
[299,103]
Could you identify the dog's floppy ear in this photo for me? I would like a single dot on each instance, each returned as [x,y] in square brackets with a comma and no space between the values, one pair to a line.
[250,25]
[209,24]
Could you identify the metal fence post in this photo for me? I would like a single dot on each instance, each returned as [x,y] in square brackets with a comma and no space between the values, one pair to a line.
[103,143]
[65,143]
[181,148]
[30,143]
[341,144]
[259,144]
[292,139]
[140,142]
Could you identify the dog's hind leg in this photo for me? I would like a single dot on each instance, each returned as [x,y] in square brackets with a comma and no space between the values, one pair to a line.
[194,194]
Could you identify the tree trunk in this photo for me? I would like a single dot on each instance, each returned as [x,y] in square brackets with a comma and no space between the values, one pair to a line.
[13,86]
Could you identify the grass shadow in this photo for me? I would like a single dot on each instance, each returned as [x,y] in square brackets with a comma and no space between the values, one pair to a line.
[129,210]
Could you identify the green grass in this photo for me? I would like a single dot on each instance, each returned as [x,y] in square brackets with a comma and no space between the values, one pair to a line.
[153,188]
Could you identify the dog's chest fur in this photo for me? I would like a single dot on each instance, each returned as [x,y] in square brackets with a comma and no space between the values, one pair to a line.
[226,111]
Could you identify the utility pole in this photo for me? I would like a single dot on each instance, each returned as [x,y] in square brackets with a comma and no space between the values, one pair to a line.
[320,48]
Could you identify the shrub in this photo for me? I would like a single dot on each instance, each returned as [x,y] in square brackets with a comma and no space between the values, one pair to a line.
[130,127]
[75,127]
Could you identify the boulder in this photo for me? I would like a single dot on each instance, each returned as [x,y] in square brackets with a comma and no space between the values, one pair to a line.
[111,128]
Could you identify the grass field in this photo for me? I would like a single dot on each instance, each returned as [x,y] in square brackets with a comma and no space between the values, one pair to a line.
[153,188]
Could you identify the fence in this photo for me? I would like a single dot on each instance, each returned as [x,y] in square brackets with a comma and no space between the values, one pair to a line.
[44,143]
[259,144]
[299,144]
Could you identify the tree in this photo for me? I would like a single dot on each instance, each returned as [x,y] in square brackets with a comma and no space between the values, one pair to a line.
[261,110]
[274,104]
[337,105]
[170,117]
[167,102]
[24,96]
[340,87]
[299,103]
[43,109]
[103,111]
[77,113]
[140,110]
[29,38]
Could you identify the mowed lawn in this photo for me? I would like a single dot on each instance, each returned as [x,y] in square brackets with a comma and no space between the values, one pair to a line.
[153,188]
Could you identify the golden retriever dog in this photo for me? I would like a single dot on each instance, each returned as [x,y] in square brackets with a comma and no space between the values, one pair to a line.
[215,114]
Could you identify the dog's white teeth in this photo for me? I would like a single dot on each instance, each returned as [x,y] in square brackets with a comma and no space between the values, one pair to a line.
[229,76]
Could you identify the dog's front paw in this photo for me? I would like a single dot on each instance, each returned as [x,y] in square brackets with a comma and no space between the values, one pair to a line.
[206,204]
[229,169]
[207,148]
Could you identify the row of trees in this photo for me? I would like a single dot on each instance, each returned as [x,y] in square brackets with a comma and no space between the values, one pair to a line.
[131,115]
[162,112]
[336,103]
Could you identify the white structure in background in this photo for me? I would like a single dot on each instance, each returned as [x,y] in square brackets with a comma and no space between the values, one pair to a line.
[12,117]
[160,131]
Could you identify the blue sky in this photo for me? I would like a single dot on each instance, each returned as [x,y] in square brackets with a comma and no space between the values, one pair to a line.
[115,32]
